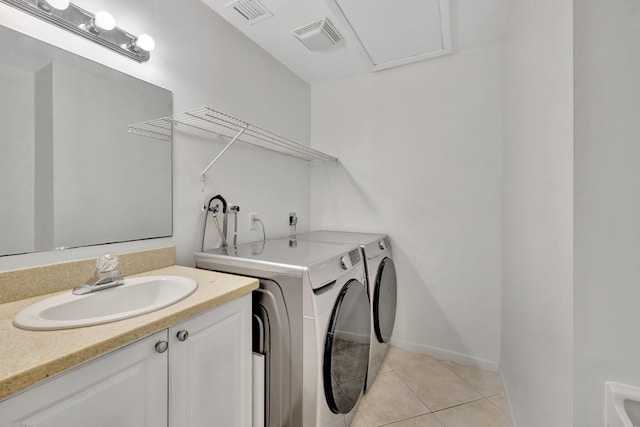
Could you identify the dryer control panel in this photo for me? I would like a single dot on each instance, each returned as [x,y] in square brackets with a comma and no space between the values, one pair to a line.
[375,248]
[330,270]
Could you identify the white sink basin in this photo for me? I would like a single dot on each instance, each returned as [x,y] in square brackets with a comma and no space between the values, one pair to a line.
[138,295]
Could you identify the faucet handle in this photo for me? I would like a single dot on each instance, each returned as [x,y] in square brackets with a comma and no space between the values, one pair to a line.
[106,263]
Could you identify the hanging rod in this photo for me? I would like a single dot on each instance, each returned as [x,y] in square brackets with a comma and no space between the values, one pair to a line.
[213,121]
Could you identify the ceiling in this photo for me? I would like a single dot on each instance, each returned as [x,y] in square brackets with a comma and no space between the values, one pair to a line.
[373,34]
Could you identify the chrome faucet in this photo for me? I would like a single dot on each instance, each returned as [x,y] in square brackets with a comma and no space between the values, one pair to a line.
[293,222]
[235,209]
[105,277]
[215,209]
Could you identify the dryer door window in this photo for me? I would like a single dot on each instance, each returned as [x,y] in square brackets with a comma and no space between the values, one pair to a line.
[346,350]
[384,300]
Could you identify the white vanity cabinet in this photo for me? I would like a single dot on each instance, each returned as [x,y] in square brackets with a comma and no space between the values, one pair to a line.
[205,377]
[127,387]
[210,369]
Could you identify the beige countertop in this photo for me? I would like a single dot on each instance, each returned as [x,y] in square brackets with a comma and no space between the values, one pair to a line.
[27,357]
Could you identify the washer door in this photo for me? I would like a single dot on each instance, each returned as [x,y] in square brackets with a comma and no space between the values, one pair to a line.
[384,300]
[346,350]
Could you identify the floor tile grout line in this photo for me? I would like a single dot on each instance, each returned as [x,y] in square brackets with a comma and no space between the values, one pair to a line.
[439,410]
[364,420]
[414,394]
[430,412]
[436,413]
[397,421]
[483,397]
[406,419]
[453,406]
[495,404]
[459,404]
[462,379]
[465,381]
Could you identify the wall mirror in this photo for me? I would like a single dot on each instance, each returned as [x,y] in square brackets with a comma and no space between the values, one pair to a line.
[70,173]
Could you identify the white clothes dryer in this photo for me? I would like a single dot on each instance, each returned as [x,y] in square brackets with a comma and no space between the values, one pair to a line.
[311,324]
[381,283]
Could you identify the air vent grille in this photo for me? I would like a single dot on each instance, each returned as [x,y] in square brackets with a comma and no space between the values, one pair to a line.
[307,28]
[251,10]
[331,31]
[318,35]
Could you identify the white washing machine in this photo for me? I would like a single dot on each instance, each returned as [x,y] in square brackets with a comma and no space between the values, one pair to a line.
[382,285]
[311,324]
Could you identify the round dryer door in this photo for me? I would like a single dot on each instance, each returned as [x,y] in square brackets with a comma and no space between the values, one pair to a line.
[384,300]
[346,350]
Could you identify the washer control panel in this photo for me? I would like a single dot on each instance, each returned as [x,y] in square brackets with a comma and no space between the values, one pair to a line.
[348,260]
[345,262]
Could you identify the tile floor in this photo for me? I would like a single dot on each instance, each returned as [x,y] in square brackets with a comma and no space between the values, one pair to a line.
[416,390]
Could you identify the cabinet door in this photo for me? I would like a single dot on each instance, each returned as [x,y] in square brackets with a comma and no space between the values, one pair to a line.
[210,370]
[125,388]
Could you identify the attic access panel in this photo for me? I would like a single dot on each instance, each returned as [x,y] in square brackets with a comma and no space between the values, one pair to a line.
[396,32]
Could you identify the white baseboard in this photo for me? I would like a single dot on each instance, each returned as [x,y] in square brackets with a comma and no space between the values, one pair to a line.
[440,353]
[505,394]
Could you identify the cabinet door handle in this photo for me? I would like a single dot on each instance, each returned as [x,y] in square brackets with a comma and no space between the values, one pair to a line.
[162,346]
[182,335]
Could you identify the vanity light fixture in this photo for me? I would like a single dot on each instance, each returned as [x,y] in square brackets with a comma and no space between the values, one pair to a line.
[49,5]
[142,42]
[100,28]
[102,21]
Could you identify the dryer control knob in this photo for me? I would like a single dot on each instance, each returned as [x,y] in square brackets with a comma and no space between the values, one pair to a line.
[345,262]
[381,245]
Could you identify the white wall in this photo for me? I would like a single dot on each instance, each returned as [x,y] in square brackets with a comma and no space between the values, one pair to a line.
[607,201]
[419,150]
[537,205]
[204,61]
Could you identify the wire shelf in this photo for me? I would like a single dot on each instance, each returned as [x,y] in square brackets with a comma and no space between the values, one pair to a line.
[157,129]
[213,121]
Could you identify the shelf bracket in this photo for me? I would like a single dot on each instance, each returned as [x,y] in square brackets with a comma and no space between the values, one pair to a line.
[234,139]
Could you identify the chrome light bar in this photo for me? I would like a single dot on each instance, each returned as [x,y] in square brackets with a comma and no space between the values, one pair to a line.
[79,21]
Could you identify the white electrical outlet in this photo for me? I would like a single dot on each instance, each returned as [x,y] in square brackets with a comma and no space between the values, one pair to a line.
[253,220]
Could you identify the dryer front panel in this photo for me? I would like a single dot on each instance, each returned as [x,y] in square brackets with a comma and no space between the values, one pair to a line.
[384,300]
[346,350]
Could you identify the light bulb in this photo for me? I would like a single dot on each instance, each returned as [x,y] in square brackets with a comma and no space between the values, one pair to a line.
[145,42]
[58,4]
[104,21]
[49,5]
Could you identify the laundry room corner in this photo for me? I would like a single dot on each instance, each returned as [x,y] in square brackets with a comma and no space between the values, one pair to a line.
[430,179]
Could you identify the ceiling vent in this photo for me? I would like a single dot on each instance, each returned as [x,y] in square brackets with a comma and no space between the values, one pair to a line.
[319,35]
[251,10]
